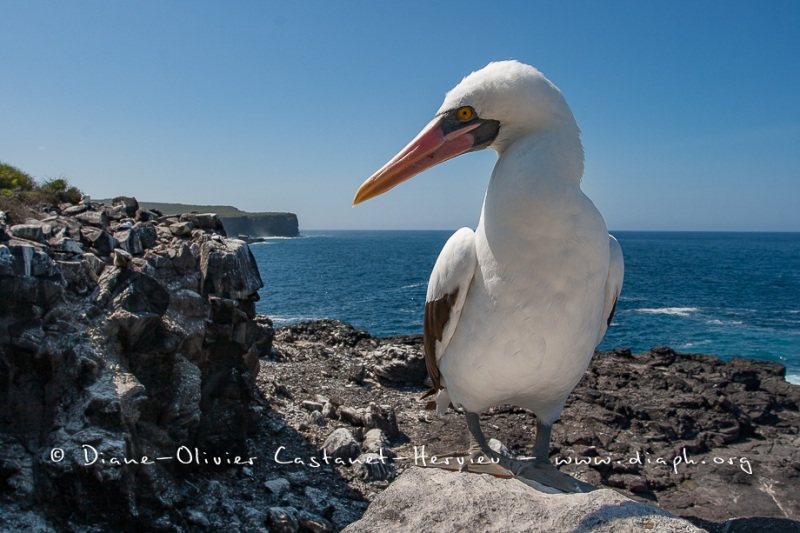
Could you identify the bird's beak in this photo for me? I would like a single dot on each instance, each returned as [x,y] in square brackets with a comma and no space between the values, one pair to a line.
[430,147]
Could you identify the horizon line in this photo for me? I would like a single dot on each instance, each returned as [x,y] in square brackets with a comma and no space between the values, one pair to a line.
[611,231]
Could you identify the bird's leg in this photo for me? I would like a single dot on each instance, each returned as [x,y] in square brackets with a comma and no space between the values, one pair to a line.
[479,446]
[477,441]
[540,471]
[479,457]
[472,452]
[541,447]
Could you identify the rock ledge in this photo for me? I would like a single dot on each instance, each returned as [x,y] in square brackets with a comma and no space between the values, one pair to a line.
[435,500]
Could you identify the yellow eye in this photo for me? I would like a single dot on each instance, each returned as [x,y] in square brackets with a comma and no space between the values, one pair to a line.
[465,113]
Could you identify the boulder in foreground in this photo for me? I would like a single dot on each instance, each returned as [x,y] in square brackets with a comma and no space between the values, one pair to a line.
[437,500]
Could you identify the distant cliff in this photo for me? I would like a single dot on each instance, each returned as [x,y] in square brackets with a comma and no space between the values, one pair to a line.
[262,225]
[238,222]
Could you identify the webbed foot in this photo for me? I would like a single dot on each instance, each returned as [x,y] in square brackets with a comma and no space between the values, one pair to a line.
[473,460]
[542,475]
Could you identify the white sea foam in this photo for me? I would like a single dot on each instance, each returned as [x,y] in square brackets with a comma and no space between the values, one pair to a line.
[793,378]
[687,345]
[625,298]
[285,320]
[717,322]
[675,311]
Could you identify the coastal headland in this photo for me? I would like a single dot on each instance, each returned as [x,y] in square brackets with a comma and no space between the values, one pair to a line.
[235,221]
[139,389]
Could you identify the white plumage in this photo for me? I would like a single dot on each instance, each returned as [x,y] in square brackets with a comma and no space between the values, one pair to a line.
[516,307]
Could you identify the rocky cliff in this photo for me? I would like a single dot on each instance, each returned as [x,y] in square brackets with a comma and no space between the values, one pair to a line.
[128,343]
[236,221]
[262,225]
[140,391]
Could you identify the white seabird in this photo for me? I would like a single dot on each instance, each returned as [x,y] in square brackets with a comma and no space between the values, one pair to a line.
[514,309]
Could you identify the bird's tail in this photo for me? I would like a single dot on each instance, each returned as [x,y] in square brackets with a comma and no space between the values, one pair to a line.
[442,402]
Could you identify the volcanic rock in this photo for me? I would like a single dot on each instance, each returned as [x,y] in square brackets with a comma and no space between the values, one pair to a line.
[160,351]
[98,218]
[437,500]
[682,434]
[398,363]
[373,467]
[341,445]
[98,239]
[105,362]
[129,204]
[375,441]
[180,229]
[29,232]
[75,209]
[203,220]
[283,519]
[218,259]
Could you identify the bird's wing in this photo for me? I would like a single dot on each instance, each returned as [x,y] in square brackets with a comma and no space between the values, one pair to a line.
[616,271]
[447,290]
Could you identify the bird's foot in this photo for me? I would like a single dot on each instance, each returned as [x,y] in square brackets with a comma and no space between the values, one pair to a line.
[483,463]
[461,459]
[473,454]
[542,475]
[473,460]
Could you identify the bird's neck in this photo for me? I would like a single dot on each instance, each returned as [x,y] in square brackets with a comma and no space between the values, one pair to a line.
[554,154]
[536,182]
[539,165]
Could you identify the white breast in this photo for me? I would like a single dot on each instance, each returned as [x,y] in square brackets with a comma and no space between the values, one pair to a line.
[535,305]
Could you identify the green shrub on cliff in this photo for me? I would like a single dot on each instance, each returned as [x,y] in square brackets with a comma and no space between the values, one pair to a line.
[13,179]
[59,191]
[19,192]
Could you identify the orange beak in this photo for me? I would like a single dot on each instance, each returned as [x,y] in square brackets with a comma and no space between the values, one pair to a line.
[429,148]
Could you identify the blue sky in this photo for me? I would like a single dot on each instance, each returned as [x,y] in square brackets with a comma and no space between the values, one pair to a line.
[690,111]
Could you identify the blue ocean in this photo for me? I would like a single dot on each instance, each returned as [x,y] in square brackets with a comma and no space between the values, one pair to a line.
[727,294]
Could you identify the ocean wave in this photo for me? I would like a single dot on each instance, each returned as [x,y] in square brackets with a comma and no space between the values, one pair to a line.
[278,238]
[687,345]
[284,320]
[793,378]
[782,321]
[675,311]
[625,298]
[718,322]
[271,241]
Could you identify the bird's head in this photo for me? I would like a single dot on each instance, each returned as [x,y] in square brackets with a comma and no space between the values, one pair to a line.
[490,108]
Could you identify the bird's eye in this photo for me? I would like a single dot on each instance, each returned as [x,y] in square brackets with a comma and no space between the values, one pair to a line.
[465,113]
